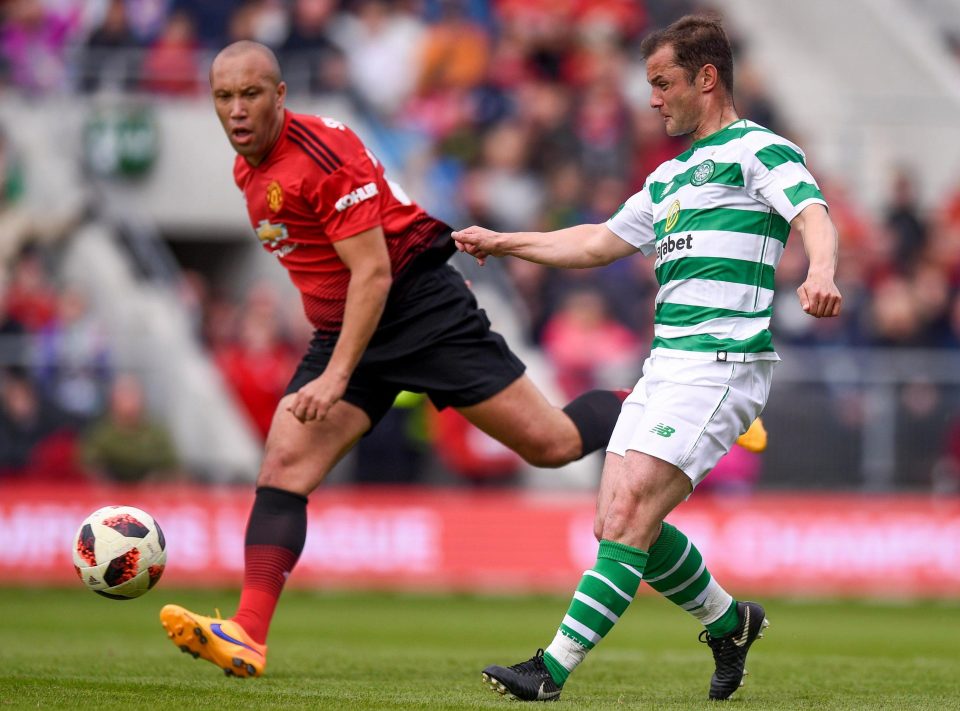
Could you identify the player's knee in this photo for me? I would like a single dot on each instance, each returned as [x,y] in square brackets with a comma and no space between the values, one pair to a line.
[629,510]
[277,467]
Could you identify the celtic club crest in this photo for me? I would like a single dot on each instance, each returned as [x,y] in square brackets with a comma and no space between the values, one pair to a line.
[703,173]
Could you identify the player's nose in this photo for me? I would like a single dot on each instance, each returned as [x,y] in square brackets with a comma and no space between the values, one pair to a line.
[237,109]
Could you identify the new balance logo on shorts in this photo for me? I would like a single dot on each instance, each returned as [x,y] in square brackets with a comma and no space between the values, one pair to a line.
[663,430]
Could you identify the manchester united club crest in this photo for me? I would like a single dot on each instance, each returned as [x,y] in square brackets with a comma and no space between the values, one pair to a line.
[274,196]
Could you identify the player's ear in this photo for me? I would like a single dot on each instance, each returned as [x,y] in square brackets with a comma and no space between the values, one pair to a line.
[707,77]
[281,93]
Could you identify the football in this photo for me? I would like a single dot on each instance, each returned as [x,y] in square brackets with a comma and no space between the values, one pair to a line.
[119,552]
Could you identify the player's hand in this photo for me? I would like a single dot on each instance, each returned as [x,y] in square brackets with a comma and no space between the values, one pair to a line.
[819,296]
[478,242]
[314,400]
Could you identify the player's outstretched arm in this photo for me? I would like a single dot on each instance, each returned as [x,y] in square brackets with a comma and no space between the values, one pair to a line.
[819,295]
[575,247]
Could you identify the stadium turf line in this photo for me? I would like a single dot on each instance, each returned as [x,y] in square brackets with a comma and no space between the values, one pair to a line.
[69,649]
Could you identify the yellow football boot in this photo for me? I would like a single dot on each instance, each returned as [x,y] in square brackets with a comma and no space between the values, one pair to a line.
[223,642]
[755,438]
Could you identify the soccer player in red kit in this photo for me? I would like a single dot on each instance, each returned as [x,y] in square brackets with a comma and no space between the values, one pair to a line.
[389,314]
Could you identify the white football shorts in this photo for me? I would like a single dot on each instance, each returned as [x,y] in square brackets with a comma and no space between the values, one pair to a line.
[690,412]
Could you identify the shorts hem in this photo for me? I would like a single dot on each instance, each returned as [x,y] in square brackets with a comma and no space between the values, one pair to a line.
[481,395]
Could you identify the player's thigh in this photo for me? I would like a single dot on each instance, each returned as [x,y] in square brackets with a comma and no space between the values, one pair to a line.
[612,468]
[520,417]
[298,455]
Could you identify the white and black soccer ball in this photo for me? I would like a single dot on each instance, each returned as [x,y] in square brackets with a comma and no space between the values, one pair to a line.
[119,552]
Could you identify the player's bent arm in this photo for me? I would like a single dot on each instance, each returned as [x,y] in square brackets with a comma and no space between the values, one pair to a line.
[818,294]
[575,247]
[366,256]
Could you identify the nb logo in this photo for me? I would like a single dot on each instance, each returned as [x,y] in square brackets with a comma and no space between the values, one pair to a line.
[663,430]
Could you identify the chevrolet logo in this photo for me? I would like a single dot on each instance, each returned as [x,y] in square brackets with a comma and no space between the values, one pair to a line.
[270,233]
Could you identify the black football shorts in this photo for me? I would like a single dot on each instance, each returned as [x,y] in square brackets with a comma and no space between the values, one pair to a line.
[433,338]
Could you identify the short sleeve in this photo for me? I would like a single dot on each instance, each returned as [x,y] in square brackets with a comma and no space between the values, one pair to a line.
[348,200]
[777,175]
[633,222]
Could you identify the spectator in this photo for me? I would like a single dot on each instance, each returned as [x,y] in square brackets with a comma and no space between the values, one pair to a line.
[544,108]
[33,44]
[170,65]
[453,58]
[931,298]
[219,320]
[894,321]
[623,19]
[259,363]
[603,129]
[381,42]
[73,358]
[543,30]
[31,296]
[650,146]
[147,18]
[564,205]
[454,52]
[312,61]
[509,65]
[265,21]
[110,58]
[13,344]
[587,347]
[127,445]
[903,219]
[753,102]
[209,18]
[36,438]
[506,190]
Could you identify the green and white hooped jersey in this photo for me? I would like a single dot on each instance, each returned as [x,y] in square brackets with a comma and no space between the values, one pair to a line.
[717,216]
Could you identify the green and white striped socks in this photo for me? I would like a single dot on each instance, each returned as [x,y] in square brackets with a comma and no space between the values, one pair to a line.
[601,598]
[673,567]
[676,570]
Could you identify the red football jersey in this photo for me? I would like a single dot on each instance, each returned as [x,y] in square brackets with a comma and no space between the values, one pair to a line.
[319,184]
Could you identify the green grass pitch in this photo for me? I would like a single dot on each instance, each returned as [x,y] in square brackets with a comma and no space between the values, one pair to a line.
[74,650]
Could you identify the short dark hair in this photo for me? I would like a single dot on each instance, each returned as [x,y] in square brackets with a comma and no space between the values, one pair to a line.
[696,40]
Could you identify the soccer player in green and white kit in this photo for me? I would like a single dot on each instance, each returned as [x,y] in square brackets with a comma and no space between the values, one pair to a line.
[717,218]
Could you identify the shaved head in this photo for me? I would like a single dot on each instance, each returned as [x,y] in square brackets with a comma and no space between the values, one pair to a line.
[248,94]
[247,49]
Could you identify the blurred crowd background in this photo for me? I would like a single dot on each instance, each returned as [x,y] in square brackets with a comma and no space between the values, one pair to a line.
[513,114]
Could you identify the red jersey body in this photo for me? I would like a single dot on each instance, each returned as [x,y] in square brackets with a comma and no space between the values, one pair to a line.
[317,185]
